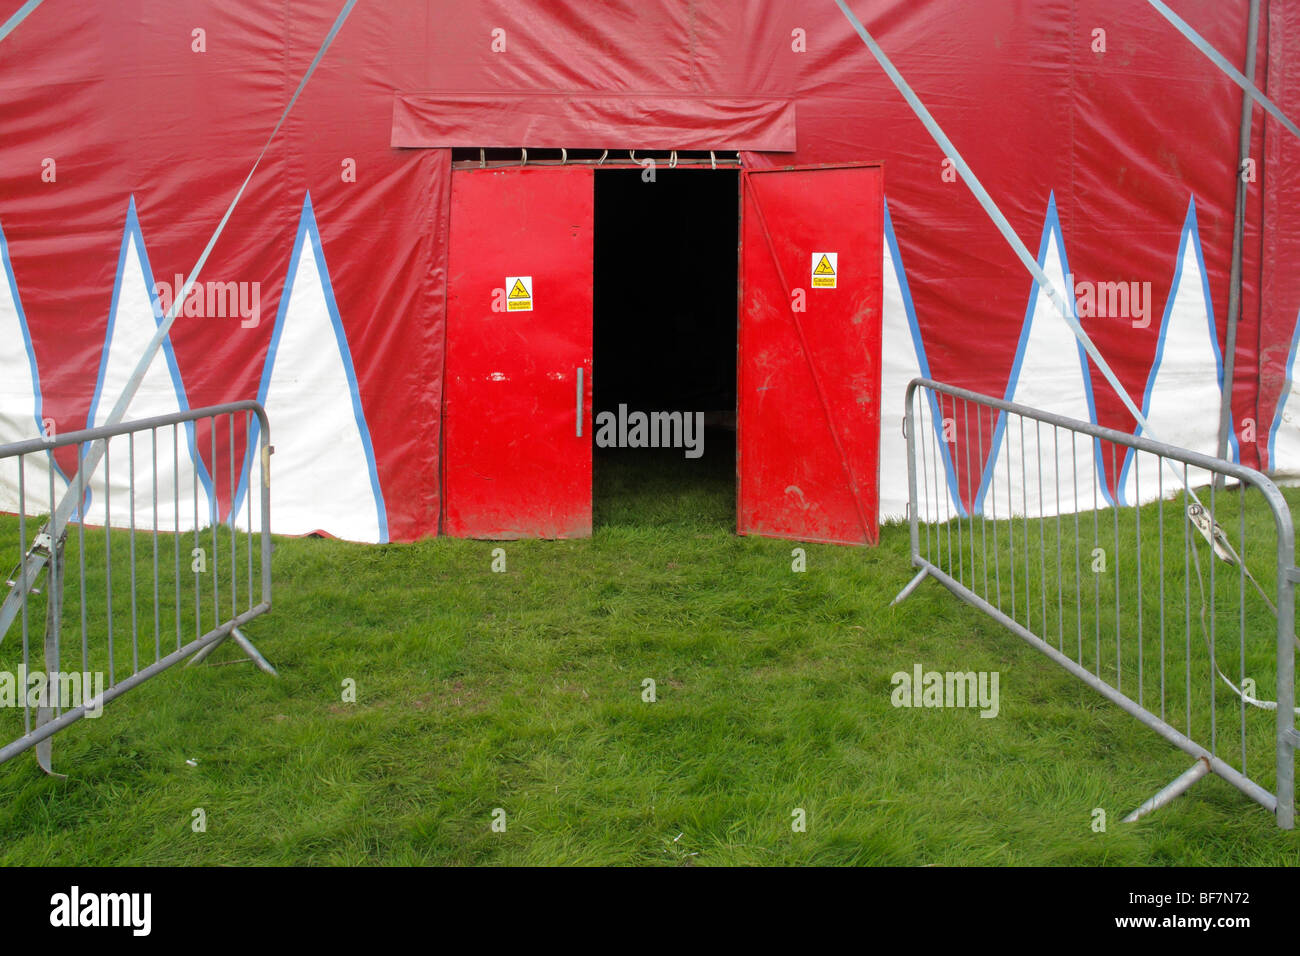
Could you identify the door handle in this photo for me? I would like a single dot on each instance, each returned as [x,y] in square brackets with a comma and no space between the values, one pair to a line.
[579,420]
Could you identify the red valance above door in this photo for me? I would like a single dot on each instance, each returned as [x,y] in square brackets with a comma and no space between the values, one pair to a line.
[592,121]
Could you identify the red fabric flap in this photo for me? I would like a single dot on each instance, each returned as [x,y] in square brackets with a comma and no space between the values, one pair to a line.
[592,121]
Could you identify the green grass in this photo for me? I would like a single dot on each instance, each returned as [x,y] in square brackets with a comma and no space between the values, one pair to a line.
[523,690]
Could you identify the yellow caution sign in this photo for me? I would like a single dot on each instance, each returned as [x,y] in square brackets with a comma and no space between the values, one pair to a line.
[519,298]
[825,269]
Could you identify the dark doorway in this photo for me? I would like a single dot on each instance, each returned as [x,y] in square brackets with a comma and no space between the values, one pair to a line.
[665,325]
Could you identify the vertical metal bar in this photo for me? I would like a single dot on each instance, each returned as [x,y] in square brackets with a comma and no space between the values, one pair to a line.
[942,461]
[1024,507]
[198,596]
[108,556]
[266,511]
[212,522]
[1285,668]
[939,467]
[956,519]
[22,552]
[992,497]
[234,561]
[913,505]
[1078,543]
[1042,530]
[1137,538]
[921,398]
[176,525]
[1213,613]
[1187,602]
[1096,575]
[1011,515]
[54,609]
[1160,523]
[984,540]
[1241,611]
[157,611]
[248,536]
[81,560]
[940,488]
[1119,656]
[1060,598]
[970,498]
[961,454]
[135,623]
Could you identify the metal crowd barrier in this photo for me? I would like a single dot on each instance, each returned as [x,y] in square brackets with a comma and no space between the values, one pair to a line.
[1144,592]
[130,557]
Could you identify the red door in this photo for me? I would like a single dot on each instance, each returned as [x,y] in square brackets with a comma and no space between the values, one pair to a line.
[808,452]
[517,400]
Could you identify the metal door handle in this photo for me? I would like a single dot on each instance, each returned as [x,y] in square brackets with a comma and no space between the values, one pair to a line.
[579,422]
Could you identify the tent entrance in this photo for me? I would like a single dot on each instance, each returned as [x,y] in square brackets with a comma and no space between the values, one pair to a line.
[663,422]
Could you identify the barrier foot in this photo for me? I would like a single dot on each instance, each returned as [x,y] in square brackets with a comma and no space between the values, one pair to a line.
[262,663]
[911,586]
[253,653]
[1180,785]
[204,653]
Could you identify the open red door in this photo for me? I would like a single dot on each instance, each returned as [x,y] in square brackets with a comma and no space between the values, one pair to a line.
[808,449]
[517,400]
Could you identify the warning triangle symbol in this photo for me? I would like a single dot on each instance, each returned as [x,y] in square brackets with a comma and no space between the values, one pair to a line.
[824,267]
[519,292]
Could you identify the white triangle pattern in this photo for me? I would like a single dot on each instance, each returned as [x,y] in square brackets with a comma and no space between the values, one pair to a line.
[901,363]
[1040,470]
[167,470]
[20,405]
[1182,397]
[309,390]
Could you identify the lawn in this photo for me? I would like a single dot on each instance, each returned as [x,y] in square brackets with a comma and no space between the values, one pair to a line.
[523,691]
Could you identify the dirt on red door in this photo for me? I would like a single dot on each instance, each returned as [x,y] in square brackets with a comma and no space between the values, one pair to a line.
[517,401]
[808,453]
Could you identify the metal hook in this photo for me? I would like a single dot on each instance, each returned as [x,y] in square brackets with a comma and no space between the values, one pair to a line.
[713,160]
[564,155]
[672,160]
[525,159]
[601,161]
[482,158]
